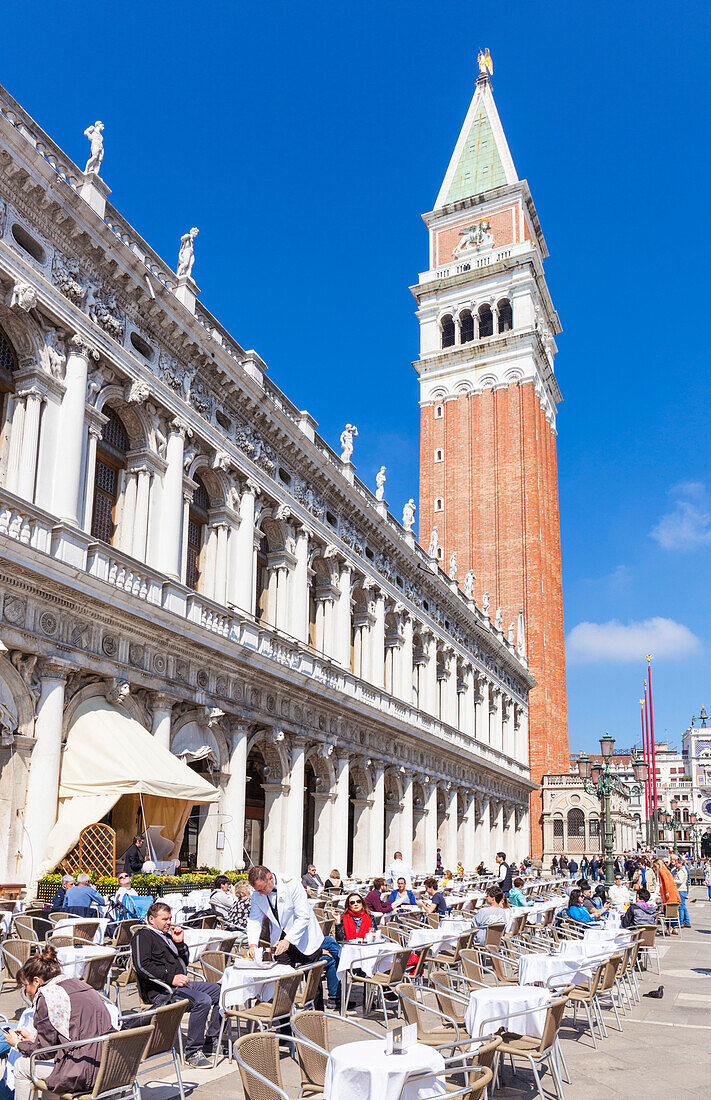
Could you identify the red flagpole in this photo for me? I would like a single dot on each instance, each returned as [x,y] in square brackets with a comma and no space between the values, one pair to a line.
[651,727]
[644,754]
[649,750]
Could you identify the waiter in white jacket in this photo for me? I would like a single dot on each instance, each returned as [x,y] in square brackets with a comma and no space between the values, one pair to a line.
[399,869]
[295,934]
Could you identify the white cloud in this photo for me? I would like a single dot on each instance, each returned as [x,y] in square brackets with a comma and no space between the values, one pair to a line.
[688,524]
[616,641]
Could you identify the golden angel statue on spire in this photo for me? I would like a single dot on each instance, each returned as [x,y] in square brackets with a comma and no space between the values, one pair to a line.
[486,65]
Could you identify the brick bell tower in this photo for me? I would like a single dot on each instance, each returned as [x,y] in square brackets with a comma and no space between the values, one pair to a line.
[488,397]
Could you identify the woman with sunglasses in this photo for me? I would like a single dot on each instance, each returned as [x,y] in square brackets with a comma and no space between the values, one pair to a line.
[355,921]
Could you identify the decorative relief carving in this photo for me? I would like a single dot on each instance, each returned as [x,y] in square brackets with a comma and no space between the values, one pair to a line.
[110,645]
[136,654]
[24,297]
[203,679]
[15,610]
[102,307]
[68,277]
[160,663]
[48,623]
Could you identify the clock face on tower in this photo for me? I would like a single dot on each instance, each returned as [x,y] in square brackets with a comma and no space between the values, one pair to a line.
[706,807]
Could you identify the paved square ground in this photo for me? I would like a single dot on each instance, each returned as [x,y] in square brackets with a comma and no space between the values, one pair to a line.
[664,1050]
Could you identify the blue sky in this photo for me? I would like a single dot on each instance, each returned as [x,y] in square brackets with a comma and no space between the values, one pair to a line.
[305,140]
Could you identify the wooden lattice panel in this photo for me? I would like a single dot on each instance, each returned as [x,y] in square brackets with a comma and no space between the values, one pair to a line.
[97,849]
[71,864]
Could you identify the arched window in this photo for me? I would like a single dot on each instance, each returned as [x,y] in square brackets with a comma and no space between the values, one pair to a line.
[557,834]
[576,823]
[439,412]
[505,315]
[439,504]
[7,385]
[486,321]
[447,332]
[197,524]
[439,455]
[110,464]
[466,327]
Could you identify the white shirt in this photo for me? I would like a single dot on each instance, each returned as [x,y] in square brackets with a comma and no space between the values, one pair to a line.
[293,920]
[399,869]
[681,878]
[620,895]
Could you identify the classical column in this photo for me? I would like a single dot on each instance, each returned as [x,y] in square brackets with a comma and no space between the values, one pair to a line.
[276,799]
[43,781]
[431,829]
[484,711]
[377,822]
[467,839]
[242,566]
[343,618]
[323,832]
[428,678]
[377,643]
[128,510]
[406,818]
[481,830]
[234,795]
[451,854]
[71,431]
[507,724]
[172,500]
[300,587]
[140,524]
[339,817]
[468,710]
[219,578]
[495,717]
[16,433]
[496,839]
[362,827]
[30,440]
[93,438]
[450,691]
[404,686]
[162,713]
[295,807]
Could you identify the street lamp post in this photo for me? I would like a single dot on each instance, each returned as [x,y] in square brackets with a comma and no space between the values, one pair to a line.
[599,780]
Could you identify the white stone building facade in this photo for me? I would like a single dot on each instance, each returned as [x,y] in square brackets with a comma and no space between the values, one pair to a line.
[171,524]
[574,821]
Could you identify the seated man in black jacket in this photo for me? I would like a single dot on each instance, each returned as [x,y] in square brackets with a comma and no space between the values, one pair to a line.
[160,959]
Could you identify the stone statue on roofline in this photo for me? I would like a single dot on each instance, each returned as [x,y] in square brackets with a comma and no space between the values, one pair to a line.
[453,566]
[380,482]
[95,135]
[408,515]
[186,256]
[485,603]
[434,543]
[347,436]
[499,620]
[469,585]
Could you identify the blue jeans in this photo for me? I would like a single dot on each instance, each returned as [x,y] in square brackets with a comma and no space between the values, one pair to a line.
[684,921]
[331,951]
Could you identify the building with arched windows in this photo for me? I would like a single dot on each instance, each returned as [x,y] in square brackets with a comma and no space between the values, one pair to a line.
[574,821]
[189,569]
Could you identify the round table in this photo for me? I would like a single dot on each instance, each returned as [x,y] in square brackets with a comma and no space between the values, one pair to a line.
[554,971]
[490,1009]
[198,940]
[73,960]
[244,982]
[363,1071]
[65,927]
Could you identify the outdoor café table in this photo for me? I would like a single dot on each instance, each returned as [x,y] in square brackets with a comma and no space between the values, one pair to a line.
[66,927]
[247,980]
[363,1071]
[368,957]
[537,911]
[604,940]
[489,1009]
[202,939]
[554,970]
[73,960]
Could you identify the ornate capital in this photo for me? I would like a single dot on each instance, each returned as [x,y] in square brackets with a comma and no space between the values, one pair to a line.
[180,427]
[54,668]
[80,345]
[161,700]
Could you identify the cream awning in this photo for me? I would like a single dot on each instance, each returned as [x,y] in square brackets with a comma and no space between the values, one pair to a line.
[108,754]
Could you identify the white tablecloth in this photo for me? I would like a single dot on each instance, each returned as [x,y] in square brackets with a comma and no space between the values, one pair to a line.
[444,936]
[363,1071]
[367,957]
[539,908]
[202,939]
[484,1004]
[241,984]
[553,971]
[66,927]
[73,960]
[601,939]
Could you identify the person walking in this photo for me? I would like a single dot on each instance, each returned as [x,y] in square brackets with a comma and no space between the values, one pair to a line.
[707,877]
[681,880]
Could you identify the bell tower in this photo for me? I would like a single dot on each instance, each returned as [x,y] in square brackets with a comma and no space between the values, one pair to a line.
[488,398]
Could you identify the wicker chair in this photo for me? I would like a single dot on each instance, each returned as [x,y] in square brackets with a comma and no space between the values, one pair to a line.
[314,1027]
[309,991]
[587,996]
[121,1056]
[214,964]
[166,1041]
[446,1033]
[648,947]
[24,927]
[15,954]
[123,933]
[536,1051]
[265,1014]
[447,1002]
[259,1066]
[84,931]
[60,941]
[98,971]
[380,982]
